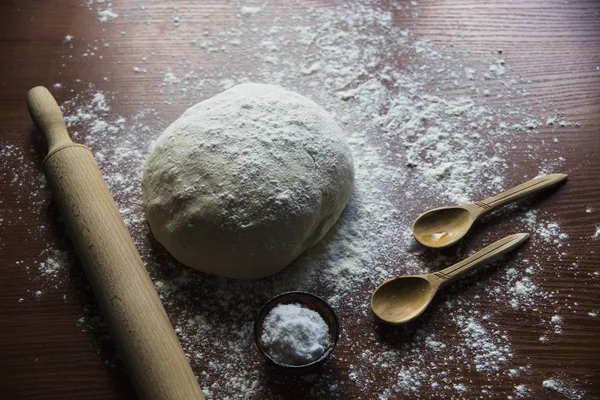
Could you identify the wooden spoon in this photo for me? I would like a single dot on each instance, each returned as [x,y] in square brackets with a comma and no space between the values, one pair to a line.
[400,300]
[442,227]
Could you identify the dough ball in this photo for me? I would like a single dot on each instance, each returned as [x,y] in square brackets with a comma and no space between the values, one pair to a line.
[242,183]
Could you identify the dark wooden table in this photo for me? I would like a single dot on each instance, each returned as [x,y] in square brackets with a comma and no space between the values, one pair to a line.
[553,46]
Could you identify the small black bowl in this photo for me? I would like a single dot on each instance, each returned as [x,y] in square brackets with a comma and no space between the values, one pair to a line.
[310,301]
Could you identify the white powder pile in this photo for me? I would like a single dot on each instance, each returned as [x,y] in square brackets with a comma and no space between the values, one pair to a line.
[295,335]
[425,130]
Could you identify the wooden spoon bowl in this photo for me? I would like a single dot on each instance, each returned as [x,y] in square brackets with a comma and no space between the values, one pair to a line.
[442,227]
[400,300]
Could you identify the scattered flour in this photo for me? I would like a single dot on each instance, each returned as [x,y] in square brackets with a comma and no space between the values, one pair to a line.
[521,391]
[106,15]
[426,129]
[57,263]
[550,233]
[556,322]
[248,11]
[104,10]
[560,387]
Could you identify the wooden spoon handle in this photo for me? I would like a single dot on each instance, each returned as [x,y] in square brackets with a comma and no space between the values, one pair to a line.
[136,318]
[483,256]
[518,192]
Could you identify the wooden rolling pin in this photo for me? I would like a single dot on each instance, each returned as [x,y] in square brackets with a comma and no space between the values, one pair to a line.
[136,318]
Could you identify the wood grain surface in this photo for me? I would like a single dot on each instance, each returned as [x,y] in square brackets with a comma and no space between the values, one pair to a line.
[554,45]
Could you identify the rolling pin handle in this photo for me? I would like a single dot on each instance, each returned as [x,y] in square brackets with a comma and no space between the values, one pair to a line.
[48,117]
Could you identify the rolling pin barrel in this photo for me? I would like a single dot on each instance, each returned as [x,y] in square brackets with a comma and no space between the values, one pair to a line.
[135,316]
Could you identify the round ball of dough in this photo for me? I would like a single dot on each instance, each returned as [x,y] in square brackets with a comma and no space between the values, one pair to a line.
[244,182]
